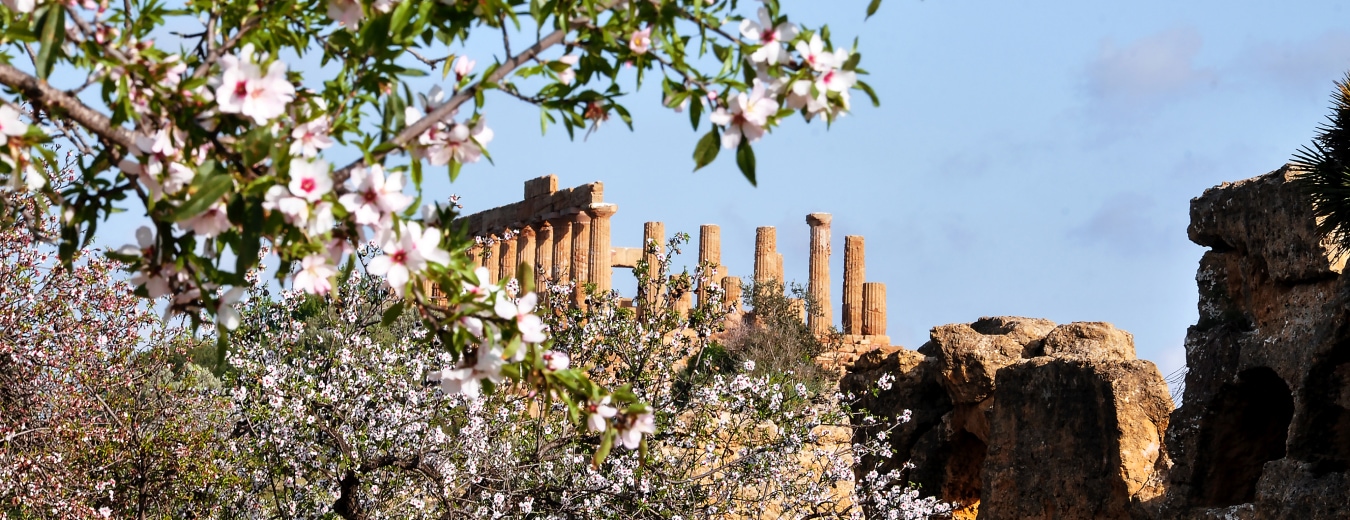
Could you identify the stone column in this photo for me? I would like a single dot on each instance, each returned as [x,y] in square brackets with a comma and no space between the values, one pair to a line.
[766,246]
[778,271]
[492,261]
[601,271]
[653,233]
[731,287]
[581,255]
[525,250]
[874,309]
[853,284]
[506,258]
[683,304]
[562,249]
[818,282]
[710,253]
[544,257]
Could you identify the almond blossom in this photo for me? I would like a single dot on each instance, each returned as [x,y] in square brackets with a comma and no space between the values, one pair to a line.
[226,315]
[483,288]
[209,223]
[531,327]
[294,209]
[461,144]
[598,415]
[630,434]
[374,196]
[153,279]
[408,254]
[243,89]
[814,54]
[311,137]
[569,74]
[315,275]
[10,124]
[22,6]
[160,169]
[641,41]
[310,180]
[463,66]
[747,117]
[555,361]
[346,13]
[466,379]
[770,38]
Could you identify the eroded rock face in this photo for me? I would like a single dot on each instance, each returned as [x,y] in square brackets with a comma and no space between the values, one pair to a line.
[1264,428]
[1020,418]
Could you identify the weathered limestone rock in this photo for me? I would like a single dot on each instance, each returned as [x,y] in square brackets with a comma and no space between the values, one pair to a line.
[1075,438]
[1093,341]
[1018,418]
[1264,427]
[818,279]
[854,267]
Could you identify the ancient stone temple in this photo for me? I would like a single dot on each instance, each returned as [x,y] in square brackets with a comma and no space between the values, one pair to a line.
[564,235]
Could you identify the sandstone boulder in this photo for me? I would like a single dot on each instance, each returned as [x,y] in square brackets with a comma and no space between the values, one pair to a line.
[1094,341]
[1264,426]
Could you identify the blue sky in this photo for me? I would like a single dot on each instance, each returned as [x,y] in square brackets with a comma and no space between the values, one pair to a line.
[1034,159]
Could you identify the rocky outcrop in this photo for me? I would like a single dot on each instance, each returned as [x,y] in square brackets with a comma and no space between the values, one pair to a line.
[1264,428]
[1020,418]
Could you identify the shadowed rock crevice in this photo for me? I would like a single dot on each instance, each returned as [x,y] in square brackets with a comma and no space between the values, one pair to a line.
[1245,426]
[1323,437]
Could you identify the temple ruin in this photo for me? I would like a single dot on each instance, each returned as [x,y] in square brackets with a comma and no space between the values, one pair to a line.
[564,235]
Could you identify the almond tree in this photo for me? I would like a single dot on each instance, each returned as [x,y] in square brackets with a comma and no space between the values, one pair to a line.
[220,144]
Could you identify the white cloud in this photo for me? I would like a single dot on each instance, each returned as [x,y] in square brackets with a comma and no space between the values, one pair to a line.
[1148,72]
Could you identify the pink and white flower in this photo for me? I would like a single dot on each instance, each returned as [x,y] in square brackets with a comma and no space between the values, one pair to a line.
[598,415]
[226,315]
[555,361]
[346,13]
[209,223]
[408,254]
[243,88]
[747,117]
[10,124]
[484,286]
[641,41]
[521,310]
[770,38]
[311,137]
[295,209]
[315,276]
[467,380]
[310,180]
[814,54]
[630,434]
[463,67]
[160,168]
[569,74]
[374,196]
[154,279]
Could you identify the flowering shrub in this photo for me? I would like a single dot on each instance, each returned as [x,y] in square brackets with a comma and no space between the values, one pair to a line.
[344,411]
[93,424]
[222,144]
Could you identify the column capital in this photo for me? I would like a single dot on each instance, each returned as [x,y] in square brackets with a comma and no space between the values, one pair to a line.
[526,231]
[602,210]
[818,219]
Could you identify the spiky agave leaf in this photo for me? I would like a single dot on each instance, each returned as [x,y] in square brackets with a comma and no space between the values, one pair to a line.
[1323,172]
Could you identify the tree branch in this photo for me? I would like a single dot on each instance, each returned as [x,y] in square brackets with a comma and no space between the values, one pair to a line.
[41,93]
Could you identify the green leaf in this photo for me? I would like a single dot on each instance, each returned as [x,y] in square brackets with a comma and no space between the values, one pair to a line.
[454,170]
[53,35]
[707,149]
[392,313]
[876,102]
[872,8]
[745,159]
[603,451]
[207,193]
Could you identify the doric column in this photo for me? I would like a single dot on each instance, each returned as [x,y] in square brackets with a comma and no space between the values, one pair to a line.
[874,309]
[562,249]
[525,250]
[854,265]
[684,303]
[798,307]
[778,271]
[601,271]
[493,260]
[710,253]
[766,239]
[653,237]
[544,256]
[581,255]
[731,287]
[506,254]
[818,282]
